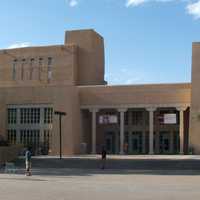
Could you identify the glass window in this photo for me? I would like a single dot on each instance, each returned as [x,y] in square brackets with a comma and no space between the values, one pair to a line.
[12,115]
[12,136]
[30,137]
[32,126]
[48,115]
[29,115]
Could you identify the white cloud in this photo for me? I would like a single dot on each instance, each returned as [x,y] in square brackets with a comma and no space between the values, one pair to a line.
[72,3]
[135,2]
[124,76]
[194,9]
[19,45]
[139,2]
[191,8]
[132,81]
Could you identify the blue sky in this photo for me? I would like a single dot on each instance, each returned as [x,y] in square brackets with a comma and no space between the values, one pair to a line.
[146,41]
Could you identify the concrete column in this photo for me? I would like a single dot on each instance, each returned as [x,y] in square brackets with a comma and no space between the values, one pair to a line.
[130,132]
[116,142]
[151,128]
[122,111]
[129,142]
[94,111]
[17,129]
[181,128]
[42,122]
[144,142]
[157,142]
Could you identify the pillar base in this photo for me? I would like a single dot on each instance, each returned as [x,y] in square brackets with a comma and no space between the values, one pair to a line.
[151,153]
[121,153]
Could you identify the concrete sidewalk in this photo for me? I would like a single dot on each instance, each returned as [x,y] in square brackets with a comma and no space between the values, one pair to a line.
[74,184]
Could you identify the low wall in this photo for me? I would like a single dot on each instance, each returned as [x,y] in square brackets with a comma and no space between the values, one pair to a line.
[9,153]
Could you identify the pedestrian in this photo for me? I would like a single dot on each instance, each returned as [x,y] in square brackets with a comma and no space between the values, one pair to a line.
[28,162]
[103,158]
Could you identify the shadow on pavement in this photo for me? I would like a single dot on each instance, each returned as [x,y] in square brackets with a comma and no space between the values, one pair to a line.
[91,166]
[21,179]
[90,172]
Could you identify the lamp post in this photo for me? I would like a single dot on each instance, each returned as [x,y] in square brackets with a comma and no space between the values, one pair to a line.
[60,114]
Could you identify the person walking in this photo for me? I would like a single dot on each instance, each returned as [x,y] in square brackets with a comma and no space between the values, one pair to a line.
[28,162]
[103,158]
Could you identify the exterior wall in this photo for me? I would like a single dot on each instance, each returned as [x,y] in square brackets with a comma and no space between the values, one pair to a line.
[59,91]
[195,100]
[64,65]
[117,96]
[63,98]
[136,97]
[90,56]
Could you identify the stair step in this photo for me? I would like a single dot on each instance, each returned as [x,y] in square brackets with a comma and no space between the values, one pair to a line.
[114,163]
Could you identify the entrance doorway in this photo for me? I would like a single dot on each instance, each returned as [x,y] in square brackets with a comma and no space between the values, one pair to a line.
[136,142]
[164,142]
[110,142]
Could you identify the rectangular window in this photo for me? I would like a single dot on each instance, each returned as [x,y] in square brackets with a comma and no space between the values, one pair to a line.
[12,136]
[14,70]
[33,123]
[49,69]
[22,69]
[30,137]
[12,115]
[48,115]
[40,68]
[29,115]
[31,68]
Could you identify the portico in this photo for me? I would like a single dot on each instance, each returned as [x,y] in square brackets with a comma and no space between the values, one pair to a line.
[138,130]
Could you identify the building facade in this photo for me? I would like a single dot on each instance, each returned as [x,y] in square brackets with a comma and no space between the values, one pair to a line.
[134,119]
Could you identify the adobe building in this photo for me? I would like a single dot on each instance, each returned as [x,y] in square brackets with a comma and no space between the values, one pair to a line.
[135,119]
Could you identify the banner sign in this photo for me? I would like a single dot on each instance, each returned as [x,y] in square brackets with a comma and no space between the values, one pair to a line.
[170,119]
[108,119]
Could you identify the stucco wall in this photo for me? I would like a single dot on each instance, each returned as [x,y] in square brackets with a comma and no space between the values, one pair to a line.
[90,55]
[9,153]
[195,100]
[64,65]
[61,97]
[136,94]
